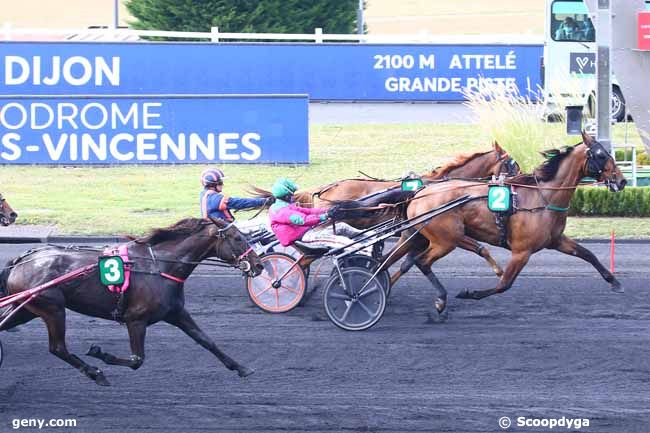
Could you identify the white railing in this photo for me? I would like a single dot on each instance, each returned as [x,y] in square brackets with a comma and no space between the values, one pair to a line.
[9,33]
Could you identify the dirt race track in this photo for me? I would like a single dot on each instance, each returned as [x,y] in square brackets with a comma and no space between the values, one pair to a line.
[558,344]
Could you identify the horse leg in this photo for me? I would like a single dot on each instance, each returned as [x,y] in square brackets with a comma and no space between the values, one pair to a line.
[413,247]
[184,321]
[437,249]
[55,322]
[137,331]
[439,312]
[514,266]
[569,246]
[470,244]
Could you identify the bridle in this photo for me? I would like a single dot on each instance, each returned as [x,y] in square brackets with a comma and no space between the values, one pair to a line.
[509,163]
[240,261]
[597,158]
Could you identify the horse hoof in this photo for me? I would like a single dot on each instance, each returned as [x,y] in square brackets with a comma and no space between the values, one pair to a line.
[245,371]
[101,380]
[465,294]
[436,316]
[94,351]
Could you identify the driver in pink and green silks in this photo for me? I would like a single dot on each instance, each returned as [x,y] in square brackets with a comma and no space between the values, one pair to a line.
[291,222]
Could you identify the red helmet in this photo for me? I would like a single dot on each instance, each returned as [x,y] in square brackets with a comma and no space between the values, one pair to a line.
[212,177]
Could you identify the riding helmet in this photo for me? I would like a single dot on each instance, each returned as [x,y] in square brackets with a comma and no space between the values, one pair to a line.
[212,177]
[283,187]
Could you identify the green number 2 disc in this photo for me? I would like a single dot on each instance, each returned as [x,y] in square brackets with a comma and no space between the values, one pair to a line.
[499,198]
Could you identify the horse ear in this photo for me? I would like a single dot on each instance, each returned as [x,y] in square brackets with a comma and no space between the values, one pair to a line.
[497,148]
[586,139]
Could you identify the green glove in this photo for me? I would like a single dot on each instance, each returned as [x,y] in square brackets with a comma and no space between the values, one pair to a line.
[297,220]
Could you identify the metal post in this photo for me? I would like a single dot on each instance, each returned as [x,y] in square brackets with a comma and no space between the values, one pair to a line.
[604,74]
[116,14]
[360,23]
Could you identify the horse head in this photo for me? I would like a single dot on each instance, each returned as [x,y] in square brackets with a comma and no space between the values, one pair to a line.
[504,162]
[600,165]
[7,214]
[478,165]
[232,247]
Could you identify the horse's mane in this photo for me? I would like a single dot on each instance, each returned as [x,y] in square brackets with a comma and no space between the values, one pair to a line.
[185,227]
[455,163]
[548,169]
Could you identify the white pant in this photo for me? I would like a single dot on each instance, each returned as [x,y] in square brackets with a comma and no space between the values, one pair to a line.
[325,237]
[249,226]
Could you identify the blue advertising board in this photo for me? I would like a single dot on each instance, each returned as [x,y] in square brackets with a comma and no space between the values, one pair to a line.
[363,72]
[154,129]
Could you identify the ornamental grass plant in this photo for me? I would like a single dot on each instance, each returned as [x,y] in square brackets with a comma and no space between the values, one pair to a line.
[517,122]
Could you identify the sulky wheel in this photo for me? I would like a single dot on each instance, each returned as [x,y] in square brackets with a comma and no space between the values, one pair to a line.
[369,263]
[272,295]
[357,305]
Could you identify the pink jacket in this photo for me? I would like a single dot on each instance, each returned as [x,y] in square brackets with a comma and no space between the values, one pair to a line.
[287,230]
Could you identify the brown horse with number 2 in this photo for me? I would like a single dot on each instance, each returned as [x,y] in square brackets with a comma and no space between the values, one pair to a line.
[538,217]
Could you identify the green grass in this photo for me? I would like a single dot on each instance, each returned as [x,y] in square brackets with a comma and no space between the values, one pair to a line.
[133,199]
[592,227]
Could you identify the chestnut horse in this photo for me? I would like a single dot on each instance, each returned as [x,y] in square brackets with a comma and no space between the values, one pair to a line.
[538,216]
[160,264]
[473,166]
[476,165]
[7,214]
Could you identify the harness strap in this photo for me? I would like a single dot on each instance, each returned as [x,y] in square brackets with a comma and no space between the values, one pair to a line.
[245,253]
[173,278]
[556,208]
[501,221]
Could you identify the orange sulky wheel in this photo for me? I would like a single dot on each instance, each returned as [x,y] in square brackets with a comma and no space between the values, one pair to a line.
[270,293]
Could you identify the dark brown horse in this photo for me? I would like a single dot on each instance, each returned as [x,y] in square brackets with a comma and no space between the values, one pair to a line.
[538,219]
[7,214]
[161,263]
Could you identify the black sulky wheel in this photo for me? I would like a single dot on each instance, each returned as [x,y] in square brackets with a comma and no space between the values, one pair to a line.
[369,263]
[356,305]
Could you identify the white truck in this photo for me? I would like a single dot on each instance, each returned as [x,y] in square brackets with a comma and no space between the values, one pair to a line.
[569,64]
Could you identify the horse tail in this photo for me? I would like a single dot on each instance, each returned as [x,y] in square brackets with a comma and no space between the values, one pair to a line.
[357,209]
[301,197]
[376,205]
[258,192]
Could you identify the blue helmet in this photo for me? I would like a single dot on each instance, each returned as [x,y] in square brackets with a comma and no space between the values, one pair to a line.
[212,177]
